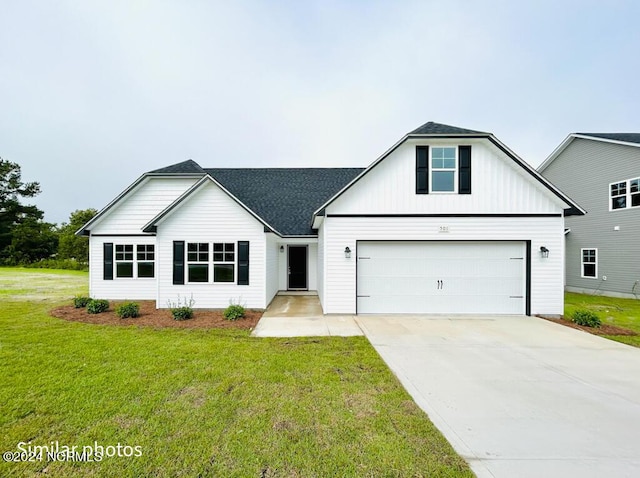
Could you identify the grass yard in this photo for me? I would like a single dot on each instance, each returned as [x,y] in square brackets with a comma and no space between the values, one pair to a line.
[612,310]
[200,402]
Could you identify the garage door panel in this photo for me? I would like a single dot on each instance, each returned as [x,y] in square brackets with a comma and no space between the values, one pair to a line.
[441,277]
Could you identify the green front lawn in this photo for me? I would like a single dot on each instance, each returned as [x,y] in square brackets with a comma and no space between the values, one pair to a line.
[621,312]
[201,402]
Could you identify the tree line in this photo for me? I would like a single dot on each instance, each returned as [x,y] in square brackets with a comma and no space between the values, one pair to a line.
[26,238]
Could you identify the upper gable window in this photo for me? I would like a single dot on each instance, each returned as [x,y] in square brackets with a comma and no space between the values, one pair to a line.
[624,194]
[443,170]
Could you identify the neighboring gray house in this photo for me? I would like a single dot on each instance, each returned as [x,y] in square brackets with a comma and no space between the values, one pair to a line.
[601,172]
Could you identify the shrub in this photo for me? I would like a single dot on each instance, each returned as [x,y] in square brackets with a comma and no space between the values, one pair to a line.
[586,318]
[182,313]
[96,306]
[127,310]
[81,301]
[68,264]
[233,312]
[182,309]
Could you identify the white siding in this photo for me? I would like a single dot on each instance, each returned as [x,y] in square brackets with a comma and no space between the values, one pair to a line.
[272,267]
[320,264]
[313,266]
[118,288]
[141,205]
[546,274]
[499,185]
[210,215]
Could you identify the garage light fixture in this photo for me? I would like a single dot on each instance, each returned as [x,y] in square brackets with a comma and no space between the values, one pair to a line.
[281,248]
[347,252]
[544,252]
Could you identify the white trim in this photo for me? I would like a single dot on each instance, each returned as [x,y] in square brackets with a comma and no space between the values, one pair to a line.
[134,261]
[626,195]
[582,263]
[455,170]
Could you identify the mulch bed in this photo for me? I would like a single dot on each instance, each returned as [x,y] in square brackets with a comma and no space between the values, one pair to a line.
[159,318]
[604,329]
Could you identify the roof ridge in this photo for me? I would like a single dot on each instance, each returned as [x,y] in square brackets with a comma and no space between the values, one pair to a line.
[432,127]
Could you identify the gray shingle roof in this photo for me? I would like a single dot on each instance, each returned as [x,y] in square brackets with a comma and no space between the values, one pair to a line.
[284,198]
[437,128]
[186,167]
[626,137]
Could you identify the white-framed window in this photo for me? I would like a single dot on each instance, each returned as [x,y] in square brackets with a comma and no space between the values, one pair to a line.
[124,260]
[145,257]
[198,262]
[624,194]
[589,263]
[444,170]
[130,265]
[220,257]
[224,261]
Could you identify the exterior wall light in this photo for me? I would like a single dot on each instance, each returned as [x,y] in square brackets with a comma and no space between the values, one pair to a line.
[544,252]
[281,249]
[347,252]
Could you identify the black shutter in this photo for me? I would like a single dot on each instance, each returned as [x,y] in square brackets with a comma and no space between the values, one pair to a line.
[107,261]
[178,262]
[464,169]
[243,262]
[422,169]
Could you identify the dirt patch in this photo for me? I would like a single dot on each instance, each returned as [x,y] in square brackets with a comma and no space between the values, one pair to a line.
[159,318]
[604,329]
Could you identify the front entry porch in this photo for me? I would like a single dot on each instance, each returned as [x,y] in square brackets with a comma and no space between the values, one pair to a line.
[300,315]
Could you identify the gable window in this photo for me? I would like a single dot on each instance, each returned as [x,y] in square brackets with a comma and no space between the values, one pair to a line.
[124,260]
[224,258]
[145,256]
[589,263]
[443,170]
[624,194]
[198,262]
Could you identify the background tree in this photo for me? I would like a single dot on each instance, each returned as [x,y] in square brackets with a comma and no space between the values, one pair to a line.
[71,246]
[25,221]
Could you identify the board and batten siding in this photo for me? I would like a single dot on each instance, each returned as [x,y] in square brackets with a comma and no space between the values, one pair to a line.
[141,205]
[272,267]
[546,274]
[210,215]
[584,171]
[118,288]
[499,185]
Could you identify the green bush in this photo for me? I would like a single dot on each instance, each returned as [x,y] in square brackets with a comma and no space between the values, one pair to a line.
[182,313]
[128,310]
[97,306]
[234,312]
[586,318]
[68,264]
[81,301]
[182,309]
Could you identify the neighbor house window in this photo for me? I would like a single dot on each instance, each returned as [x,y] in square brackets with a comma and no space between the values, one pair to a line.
[145,256]
[198,261]
[624,194]
[443,170]
[589,263]
[224,259]
[124,260]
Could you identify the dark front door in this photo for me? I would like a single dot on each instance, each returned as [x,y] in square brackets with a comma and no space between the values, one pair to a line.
[297,268]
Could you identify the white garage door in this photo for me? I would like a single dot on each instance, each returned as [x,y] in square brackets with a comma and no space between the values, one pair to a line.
[441,277]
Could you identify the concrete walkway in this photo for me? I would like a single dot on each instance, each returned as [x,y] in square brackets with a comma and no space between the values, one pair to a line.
[519,396]
[301,316]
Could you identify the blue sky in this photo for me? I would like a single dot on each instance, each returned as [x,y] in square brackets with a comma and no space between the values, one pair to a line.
[93,94]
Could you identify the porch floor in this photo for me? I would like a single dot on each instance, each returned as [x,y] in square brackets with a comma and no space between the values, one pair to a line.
[301,316]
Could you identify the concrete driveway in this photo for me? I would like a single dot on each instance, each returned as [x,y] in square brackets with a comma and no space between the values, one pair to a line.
[519,396]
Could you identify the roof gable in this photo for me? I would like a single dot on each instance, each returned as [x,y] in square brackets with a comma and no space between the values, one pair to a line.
[626,139]
[437,130]
[186,167]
